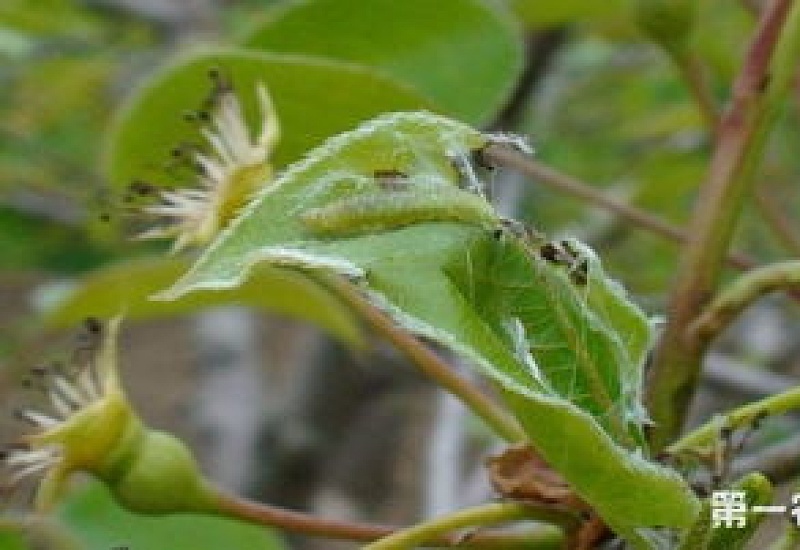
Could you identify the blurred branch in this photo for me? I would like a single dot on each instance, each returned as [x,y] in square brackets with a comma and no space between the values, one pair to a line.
[432,365]
[743,416]
[778,222]
[790,539]
[177,13]
[727,374]
[299,522]
[737,296]
[696,79]
[539,52]
[503,156]
[486,514]
[50,206]
[780,462]
[670,24]
[764,78]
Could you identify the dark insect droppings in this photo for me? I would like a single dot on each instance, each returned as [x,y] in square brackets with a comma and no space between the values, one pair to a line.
[93,326]
[478,157]
[580,274]
[551,253]
[141,188]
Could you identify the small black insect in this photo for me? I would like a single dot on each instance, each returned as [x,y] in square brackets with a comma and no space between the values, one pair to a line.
[479,158]
[552,253]
[579,273]
[93,326]
[391,179]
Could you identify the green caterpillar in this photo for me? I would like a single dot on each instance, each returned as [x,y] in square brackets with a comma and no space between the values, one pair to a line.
[380,211]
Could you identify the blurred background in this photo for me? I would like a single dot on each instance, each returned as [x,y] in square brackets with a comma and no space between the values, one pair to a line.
[320,415]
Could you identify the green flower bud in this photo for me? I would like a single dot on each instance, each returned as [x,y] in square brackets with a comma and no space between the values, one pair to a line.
[93,429]
[161,477]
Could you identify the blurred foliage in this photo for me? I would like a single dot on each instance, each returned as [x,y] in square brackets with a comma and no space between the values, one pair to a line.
[610,109]
[465,57]
[536,13]
[99,524]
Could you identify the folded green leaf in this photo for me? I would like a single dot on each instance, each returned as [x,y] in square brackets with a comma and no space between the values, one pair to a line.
[540,318]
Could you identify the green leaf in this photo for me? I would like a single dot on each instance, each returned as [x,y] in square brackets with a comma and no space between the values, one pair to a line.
[562,341]
[30,242]
[11,539]
[314,98]
[540,12]
[127,287]
[95,518]
[464,55]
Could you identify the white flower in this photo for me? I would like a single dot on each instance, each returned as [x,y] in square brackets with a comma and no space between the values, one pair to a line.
[88,409]
[235,167]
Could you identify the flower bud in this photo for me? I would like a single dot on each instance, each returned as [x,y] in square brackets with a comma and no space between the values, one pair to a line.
[93,429]
[158,476]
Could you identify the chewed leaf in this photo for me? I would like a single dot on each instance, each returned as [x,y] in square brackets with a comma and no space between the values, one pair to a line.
[421,145]
[540,318]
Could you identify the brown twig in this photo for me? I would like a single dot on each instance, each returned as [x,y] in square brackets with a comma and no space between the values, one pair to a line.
[694,74]
[675,370]
[540,49]
[431,364]
[745,290]
[298,522]
[503,156]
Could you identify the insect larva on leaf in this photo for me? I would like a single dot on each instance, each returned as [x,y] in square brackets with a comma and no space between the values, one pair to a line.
[376,212]
[391,179]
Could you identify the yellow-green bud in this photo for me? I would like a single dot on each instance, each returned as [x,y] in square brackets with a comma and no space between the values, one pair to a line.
[93,429]
[159,476]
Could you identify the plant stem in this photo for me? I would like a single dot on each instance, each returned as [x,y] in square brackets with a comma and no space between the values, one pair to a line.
[503,156]
[486,514]
[745,290]
[692,71]
[707,434]
[789,541]
[432,365]
[741,135]
[540,49]
[781,226]
[271,516]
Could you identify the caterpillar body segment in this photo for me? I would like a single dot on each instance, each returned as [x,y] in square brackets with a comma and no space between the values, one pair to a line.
[381,211]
